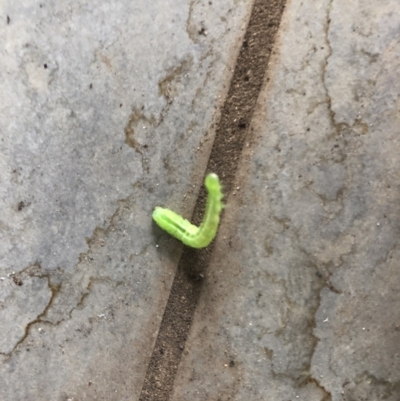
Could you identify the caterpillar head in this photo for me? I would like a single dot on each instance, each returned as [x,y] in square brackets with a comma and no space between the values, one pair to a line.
[212,183]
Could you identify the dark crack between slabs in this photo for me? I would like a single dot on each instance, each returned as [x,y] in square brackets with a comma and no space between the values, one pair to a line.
[312,378]
[233,129]
[336,127]
[340,129]
[325,283]
[57,278]
[304,376]
[324,69]
[41,318]
[38,318]
[139,116]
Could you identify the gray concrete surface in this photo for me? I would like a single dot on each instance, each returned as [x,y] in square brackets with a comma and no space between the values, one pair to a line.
[107,109]
[302,299]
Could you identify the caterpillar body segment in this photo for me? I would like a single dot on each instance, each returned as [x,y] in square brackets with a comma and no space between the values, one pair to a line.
[183,230]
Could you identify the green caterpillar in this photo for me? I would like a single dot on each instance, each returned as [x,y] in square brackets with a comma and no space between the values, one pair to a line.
[189,234]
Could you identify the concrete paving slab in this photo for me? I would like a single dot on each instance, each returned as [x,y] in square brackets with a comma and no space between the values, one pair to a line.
[106,111]
[301,299]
